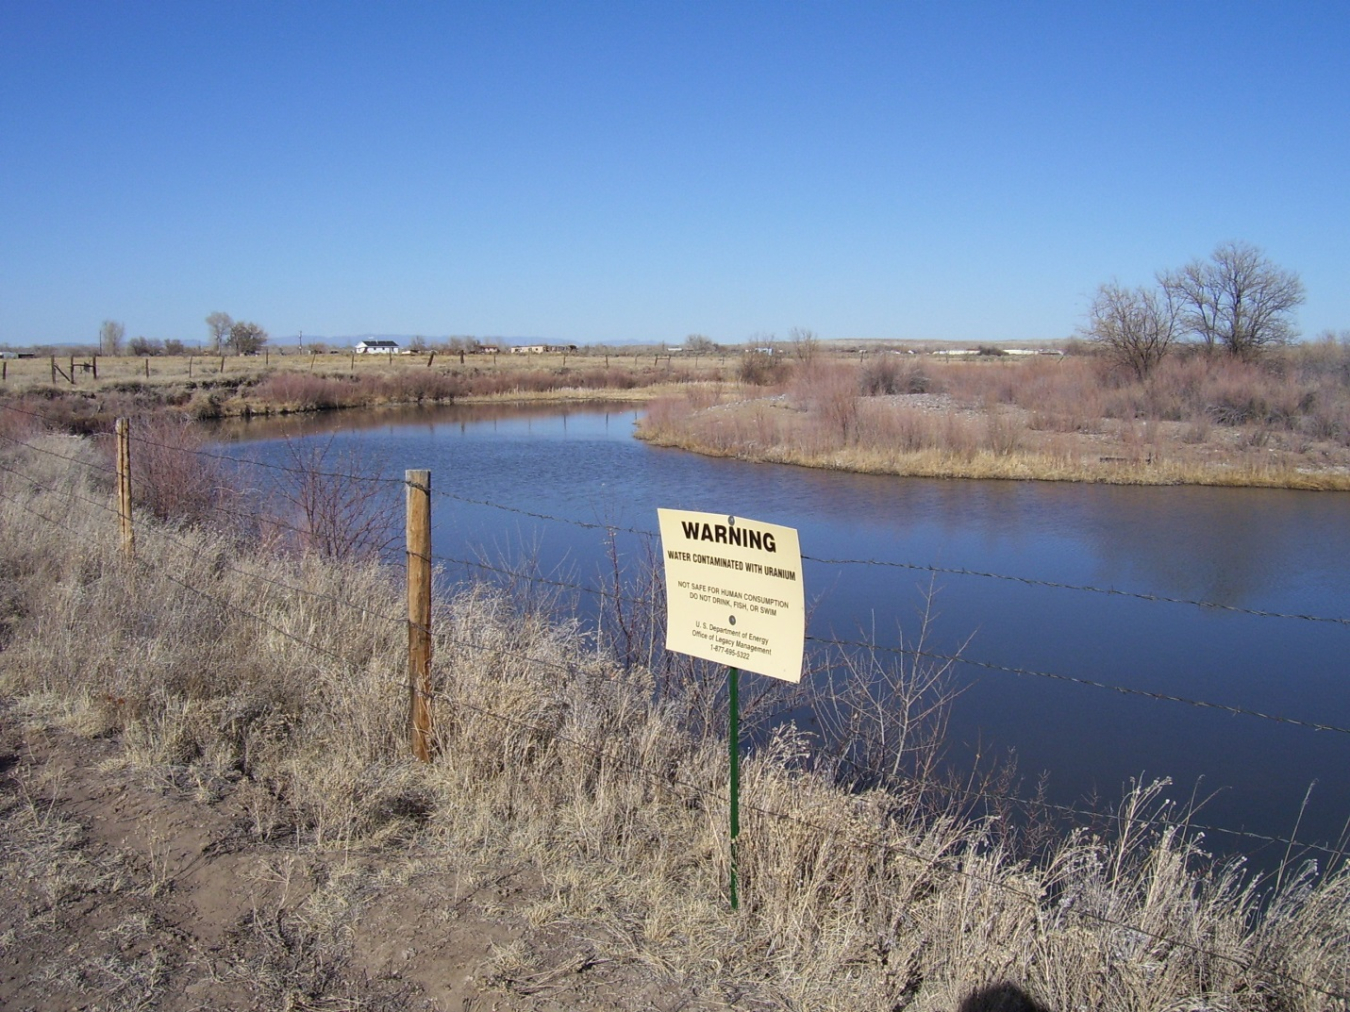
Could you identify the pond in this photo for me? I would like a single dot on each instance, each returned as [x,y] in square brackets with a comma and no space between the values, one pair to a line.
[1239,598]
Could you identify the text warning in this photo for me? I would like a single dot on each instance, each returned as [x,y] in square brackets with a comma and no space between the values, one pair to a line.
[734,592]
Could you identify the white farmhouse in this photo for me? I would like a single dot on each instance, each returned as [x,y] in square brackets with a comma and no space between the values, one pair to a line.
[377,348]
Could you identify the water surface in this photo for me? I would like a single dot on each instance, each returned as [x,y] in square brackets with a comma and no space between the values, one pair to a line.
[1247,549]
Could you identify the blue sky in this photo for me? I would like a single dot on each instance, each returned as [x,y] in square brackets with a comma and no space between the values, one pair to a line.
[639,171]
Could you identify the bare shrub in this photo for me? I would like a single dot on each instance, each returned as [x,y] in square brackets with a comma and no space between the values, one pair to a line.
[17,425]
[1329,418]
[961,437]
[1002,433]
[418,385]
[888,374]
[830,392]
[306,392]
[762,368]
[335,505]
[883,721]
[1239,392]
[172,476]
[1061,395]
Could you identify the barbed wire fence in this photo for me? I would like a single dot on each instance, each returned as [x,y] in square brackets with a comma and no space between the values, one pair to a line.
[616,595]
[422,693]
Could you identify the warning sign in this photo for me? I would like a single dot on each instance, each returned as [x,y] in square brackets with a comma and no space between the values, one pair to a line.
[734,592]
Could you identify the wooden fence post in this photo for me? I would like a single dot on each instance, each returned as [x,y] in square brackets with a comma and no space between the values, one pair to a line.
[419,611]
[124,488]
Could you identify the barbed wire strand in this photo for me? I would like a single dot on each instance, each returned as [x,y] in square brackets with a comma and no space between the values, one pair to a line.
[52,453]
[1083,588]
[933,655]
[1031,804]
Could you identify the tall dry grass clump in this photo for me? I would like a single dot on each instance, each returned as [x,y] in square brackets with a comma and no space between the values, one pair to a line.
[278,679]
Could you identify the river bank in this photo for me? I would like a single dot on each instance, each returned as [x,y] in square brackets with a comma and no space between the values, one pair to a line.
[1197,421]
[85,401]
[574,818]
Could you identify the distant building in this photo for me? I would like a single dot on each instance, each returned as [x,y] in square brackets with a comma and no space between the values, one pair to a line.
[377,348]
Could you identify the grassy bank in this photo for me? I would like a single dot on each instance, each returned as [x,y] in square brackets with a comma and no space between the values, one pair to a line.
[234,387]
[1282,423]
[231,671]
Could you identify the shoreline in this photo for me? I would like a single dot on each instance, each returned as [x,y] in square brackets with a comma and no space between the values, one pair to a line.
[702,410]
[993,468]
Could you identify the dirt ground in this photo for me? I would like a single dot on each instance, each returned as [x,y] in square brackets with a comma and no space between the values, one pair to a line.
[124,890]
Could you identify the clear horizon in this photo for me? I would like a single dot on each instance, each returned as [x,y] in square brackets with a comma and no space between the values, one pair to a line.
[631,174]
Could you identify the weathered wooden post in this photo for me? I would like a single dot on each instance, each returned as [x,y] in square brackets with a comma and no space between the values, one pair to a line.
[124,488]
[419,611]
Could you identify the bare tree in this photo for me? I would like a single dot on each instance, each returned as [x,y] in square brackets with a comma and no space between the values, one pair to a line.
[1237,299]
[219,325]
[246,338]
[805,344]
[110,337]
[1136,326]
[698,344]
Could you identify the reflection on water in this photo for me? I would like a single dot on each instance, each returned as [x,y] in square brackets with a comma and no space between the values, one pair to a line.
[1253,549]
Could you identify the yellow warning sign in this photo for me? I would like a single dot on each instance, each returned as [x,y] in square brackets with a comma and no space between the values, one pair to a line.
[734,592]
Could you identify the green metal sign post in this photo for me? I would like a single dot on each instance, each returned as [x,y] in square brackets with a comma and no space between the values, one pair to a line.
[734,737]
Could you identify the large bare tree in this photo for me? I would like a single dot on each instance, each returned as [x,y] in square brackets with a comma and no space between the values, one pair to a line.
[1137,326]
[1237,300]
[219,325]
[110,337]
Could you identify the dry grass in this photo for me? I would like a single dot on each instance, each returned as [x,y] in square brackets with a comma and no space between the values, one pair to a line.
[1282,423]
[277,679]
[215,387]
